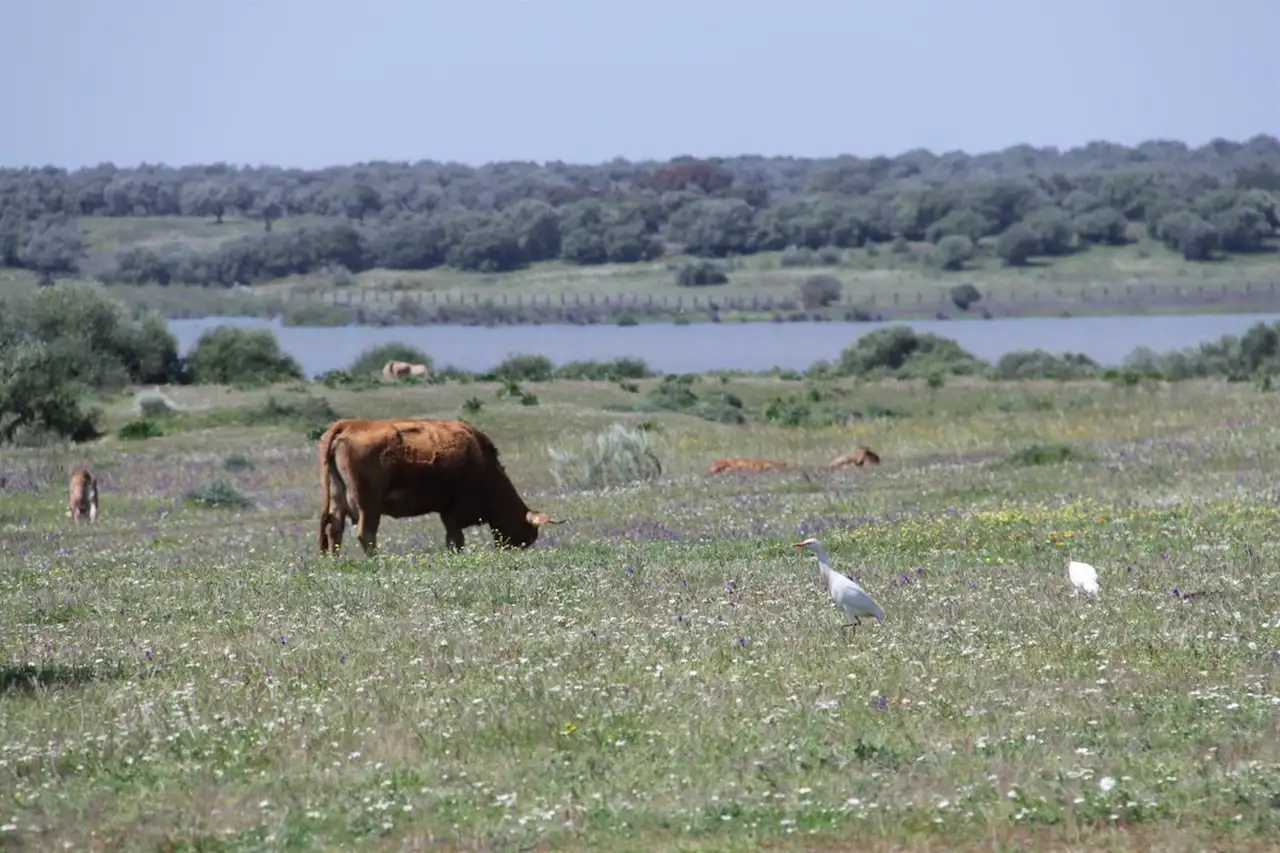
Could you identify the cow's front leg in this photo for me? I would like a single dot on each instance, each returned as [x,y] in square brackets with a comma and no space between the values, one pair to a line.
[367,532]
[454,538]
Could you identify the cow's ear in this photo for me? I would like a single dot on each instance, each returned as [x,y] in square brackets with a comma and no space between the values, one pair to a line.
[540,518]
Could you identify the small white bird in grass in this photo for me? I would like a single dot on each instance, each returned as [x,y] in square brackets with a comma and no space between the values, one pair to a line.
[847,595]
[1084,577]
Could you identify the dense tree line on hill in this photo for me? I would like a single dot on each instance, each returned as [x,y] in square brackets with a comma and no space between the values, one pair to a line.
[1019,203]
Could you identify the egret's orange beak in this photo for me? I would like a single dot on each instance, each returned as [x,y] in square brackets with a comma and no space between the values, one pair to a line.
[798,545]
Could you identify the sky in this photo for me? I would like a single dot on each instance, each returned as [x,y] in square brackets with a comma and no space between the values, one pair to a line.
[312,83]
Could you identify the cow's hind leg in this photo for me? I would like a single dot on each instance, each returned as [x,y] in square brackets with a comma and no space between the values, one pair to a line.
[332,525]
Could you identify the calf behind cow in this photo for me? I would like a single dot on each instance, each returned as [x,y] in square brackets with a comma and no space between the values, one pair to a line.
[82,499]
[409,467]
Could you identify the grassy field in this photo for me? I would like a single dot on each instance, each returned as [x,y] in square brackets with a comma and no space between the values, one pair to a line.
[1142,276]
[663,672]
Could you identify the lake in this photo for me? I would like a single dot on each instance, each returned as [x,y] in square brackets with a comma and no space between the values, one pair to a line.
[699,347]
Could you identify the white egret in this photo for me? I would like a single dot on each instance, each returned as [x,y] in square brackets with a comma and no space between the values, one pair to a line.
[845,592]
[1084,577]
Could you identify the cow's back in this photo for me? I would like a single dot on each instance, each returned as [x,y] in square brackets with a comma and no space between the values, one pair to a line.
[421,465]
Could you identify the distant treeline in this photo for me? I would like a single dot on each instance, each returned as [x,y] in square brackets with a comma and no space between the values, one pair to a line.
[1020,203]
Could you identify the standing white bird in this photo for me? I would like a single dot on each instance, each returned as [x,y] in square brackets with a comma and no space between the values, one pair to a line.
[847,595]
[1084,577]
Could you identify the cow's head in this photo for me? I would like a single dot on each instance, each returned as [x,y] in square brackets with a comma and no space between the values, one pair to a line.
[526,532]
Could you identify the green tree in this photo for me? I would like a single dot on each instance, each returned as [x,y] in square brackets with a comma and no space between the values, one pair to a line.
[1017,244]
[38,392]
[1104,225]
[227,355]
[953,251]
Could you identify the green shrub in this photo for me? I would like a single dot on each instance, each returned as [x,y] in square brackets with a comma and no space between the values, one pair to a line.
[40,395]
[721,407]
[98,342]
[1042,364]
[307,411]
[336,379]
[819,291]
[1051,453]
[614,457]
[607,371]
[673,393]
[239,462]
[218,494]
[964,295]
[701,274]
[371,361]
[139,430]
[227,355]
[154,404]
[525,368]
[902,352]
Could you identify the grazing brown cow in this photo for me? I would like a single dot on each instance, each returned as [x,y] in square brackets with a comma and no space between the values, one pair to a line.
[862,456]
[415,466]
[82,495]
[722,465]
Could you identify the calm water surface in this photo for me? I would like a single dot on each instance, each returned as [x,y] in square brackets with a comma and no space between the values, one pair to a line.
[743,346]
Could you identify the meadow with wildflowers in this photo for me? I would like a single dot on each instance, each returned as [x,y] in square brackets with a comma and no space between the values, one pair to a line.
[665,671]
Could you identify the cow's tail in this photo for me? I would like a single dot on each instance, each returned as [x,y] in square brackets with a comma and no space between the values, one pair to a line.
[327,447]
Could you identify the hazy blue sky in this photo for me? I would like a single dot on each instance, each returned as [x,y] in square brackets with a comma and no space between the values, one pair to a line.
[320,82]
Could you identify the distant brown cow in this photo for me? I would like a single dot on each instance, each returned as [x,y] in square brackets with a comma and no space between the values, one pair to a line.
[722,465]
[82,499]
[862,456]
[409,467]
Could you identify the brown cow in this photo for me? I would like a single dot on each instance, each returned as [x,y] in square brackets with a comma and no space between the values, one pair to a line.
[82,499]
[862,456]
[722,465]
[403,468]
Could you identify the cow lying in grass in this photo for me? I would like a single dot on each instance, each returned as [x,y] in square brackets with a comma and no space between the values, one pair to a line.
[720,466]
[862,456]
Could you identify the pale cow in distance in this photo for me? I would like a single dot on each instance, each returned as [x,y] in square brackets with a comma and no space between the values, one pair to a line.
[720,466]
[398,369]
[862,456]
[395,369]
[82,498]
[408,467]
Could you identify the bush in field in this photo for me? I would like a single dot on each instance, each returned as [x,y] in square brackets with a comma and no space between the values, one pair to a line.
[218,494]
[1042,364]
[40,393]
[819,291]
[609,371]
[1255,353]
[614,457]
[371,361]
[227,355]
[525,368]
[902,352]
[98,341]
[154,403]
